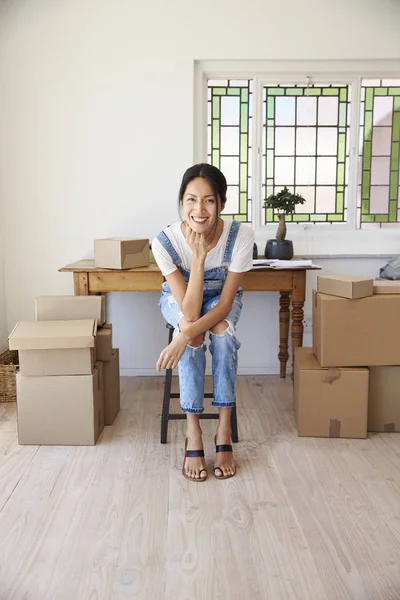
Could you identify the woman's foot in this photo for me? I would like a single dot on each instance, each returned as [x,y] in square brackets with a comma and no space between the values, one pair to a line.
[225,465]
[194,467]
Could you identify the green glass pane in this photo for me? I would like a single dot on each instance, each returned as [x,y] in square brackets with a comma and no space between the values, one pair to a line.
[343,95]
[313,92]
[245,95]
[301,218]
[335,217]
[365,218]
[342,148]
[330,92]
[244,113]
[243,147]
[215,108]
[226,217]
[318,218]
[342,114]
[393,211]
[271,108]
[367,155]
[369,94]
[219,91]
[270,137]
[215,134]
[396,127]
[365,184]
[270,123]
[215,158]
[276,218]
[241,218]
[294,92]
[289,218]
[340,188]
[394,178]
[381,218]
[243,178]
[270,214]
[243,203]
[368,126]
[233,91]
[275,92]
[396,104]
[381,91]
[339,202]
[365,207]
[342,129]
[394,91]
[340,174]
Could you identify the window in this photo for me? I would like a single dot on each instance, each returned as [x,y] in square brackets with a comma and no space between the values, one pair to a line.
[332,136]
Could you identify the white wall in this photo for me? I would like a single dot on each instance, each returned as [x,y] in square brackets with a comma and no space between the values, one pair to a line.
[97,128]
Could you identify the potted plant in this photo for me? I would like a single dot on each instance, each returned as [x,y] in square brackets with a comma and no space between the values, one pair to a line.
[283,203]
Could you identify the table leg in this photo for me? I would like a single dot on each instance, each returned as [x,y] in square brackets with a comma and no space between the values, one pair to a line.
[298,299]
[81,284]
[284,318]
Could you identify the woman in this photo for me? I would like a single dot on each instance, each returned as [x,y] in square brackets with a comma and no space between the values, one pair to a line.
[203,259]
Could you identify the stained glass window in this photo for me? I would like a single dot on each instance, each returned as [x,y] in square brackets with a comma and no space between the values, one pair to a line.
[379,186]
[305,147]
[229,141]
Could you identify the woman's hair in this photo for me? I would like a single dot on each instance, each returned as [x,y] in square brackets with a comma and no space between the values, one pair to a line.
[215,178]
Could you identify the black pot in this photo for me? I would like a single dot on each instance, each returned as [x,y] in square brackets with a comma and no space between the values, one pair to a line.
[282,250]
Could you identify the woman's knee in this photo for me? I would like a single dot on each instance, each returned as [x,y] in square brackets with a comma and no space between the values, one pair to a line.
[220,328]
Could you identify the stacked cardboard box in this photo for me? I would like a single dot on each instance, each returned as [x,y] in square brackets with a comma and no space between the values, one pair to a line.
[348,383]
[62,383]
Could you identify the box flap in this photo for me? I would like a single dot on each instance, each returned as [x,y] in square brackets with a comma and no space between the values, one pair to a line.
[43,335]
[349,278]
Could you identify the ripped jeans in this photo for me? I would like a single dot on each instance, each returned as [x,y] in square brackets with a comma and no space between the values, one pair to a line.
[223,348]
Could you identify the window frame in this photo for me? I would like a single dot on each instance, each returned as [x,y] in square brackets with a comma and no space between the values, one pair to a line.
[310,239]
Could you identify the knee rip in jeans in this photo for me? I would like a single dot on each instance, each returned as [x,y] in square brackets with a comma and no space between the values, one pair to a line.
[230,330]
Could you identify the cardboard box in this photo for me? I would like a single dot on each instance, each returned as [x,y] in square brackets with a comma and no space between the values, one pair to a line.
[104,349]
[386,286]
[55,347]
[356,333]
[346,286]
[329,402]
[384,399]
[111,388]
[63,308]
[121,253]
[61,411]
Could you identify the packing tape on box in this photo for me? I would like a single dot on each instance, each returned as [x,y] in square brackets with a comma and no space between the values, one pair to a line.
[330,375]
[334,428]
[389,427]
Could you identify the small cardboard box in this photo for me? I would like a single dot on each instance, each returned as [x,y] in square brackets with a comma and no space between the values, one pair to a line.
[60,411]
[64,308]
[111,388]
[356,333]
[121,253]
[329,402]
[384,399]
[345,286]
[104,349]
[55,347]
[386,286]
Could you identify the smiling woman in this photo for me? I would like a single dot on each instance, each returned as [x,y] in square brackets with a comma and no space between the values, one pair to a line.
[203,259]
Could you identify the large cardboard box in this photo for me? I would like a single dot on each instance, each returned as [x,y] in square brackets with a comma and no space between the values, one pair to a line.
[104,349]
[55,347]
[64,308]
[111,388]
[329,402]
[356,333]
[60,411]
[386,286]
[346,286]
[384,399]
[121,253]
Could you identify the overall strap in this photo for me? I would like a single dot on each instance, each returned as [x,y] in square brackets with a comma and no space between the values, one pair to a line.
[234,230]
[167,245]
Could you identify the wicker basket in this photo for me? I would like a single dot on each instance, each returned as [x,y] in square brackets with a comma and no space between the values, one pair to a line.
[8,370]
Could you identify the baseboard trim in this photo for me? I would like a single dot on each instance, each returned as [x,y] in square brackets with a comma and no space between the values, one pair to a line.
[242,371]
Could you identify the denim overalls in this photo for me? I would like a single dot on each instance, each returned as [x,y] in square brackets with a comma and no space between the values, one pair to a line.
[223,347]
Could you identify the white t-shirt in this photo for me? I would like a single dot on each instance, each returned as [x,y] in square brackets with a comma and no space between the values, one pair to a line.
[242,255]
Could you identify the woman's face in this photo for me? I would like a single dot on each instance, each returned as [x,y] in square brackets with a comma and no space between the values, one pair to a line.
[199,205]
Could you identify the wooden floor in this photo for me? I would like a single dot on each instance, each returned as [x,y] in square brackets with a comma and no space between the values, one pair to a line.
[306,519]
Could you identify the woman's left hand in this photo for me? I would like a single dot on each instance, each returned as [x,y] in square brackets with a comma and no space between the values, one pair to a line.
[173,353]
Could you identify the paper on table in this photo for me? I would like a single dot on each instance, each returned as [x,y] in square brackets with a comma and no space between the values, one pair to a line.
[275,263]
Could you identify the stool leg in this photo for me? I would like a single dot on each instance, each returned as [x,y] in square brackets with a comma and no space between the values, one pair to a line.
[235,438]
[165,407]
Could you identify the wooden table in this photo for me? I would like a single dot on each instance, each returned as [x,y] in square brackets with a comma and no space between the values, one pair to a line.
[290,283]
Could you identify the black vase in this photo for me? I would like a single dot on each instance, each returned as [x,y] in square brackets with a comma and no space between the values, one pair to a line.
[282,250]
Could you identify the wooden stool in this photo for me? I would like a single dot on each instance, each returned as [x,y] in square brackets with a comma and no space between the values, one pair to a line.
[167,416]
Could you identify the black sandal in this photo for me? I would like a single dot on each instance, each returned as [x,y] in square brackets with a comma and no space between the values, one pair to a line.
[222,448]
[193,454]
